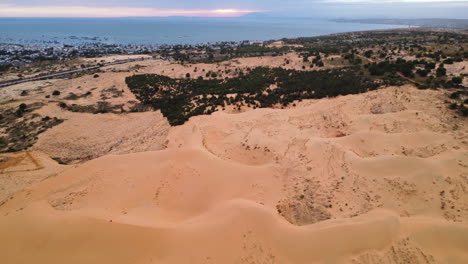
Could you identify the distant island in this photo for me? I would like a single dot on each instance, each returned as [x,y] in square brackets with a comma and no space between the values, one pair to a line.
[417,22]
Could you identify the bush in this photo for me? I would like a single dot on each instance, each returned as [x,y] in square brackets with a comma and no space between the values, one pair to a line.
[4,68]
[400,65]
[441,71]
[455,95]
[103,107]
[55,93]
[464,110]
[453,106]
[448,61]
[457,80]
[422,73]
[430,66]
[21,109]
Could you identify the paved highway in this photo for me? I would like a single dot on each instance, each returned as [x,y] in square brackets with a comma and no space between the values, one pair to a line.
[65,73]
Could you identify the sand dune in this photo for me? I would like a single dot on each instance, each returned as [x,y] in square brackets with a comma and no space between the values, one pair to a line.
[371,178]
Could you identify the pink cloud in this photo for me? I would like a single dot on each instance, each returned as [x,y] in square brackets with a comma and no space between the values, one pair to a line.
[79,11]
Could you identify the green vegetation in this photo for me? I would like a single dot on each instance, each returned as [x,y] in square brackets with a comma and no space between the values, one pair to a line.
[457,80]
[368,53]
[5,67]
[404,67]
[73,96]
[101,107]
[441,71]
[254,50]
[19,126]
[360,59]
[461,100]
[180,99]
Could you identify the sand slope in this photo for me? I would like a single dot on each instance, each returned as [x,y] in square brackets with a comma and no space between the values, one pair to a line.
[380,177]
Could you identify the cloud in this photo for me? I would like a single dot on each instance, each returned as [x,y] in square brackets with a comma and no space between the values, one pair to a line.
[391,1]
[84,11]
[311,8]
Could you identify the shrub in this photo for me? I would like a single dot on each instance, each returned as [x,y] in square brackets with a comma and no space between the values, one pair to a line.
[441,71]
[422,73]
[457,80]
[455,95]
[448,61]
[103,107]
[21,109]
[464,110]
[430,66]
[55,93]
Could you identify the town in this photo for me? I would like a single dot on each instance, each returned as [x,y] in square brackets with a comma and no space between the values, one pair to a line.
[13,55]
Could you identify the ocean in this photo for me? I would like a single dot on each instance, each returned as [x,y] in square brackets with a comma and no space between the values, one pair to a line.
[171,30]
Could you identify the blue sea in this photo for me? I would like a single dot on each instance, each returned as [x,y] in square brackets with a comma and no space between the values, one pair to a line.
[171,30]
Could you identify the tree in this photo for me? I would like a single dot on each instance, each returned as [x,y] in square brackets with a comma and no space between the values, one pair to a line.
[21,109]
[457,80]
[422,73]
[187,75]
[429,66]
[441,71]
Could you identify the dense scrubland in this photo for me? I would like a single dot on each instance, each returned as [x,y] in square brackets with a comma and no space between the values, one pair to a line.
[179,99]
[368,60]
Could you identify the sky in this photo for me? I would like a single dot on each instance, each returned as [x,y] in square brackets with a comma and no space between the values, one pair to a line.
[235,8]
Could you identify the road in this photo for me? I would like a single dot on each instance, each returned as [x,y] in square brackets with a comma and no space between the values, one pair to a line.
[65,73]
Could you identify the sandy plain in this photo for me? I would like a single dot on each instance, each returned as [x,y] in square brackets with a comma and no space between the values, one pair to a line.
[380,177]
